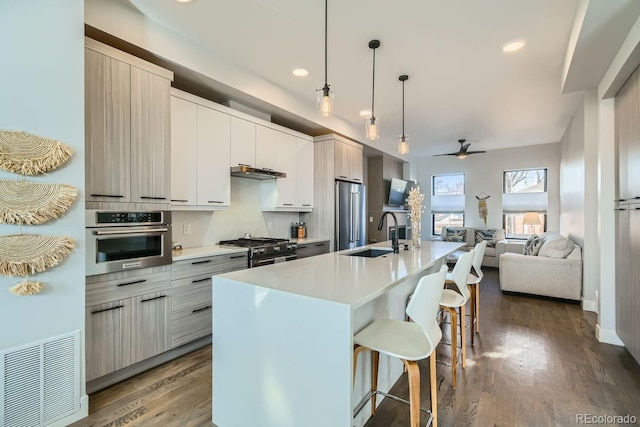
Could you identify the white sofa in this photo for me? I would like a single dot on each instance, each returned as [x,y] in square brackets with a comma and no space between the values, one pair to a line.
[496,242]
[553,268]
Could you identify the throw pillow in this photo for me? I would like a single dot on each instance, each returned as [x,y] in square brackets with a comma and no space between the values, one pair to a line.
[556,247]
[456,234]
[488,236]
[532,245]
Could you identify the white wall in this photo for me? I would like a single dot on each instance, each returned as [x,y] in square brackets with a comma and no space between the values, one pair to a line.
[42,77]
[244,216]
[483,173]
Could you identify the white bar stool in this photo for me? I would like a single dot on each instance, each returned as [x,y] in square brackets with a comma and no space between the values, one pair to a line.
[452,301]
[408,341]
[473,282]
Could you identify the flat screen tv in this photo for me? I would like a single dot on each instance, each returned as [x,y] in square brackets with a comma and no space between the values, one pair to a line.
[397,192]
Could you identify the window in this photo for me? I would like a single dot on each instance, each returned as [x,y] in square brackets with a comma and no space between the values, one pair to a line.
[447,202]
[524,191]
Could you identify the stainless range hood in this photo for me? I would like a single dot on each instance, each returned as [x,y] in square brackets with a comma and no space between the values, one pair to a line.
[255,173]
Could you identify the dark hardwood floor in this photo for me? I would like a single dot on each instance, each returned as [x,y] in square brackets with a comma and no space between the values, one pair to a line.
[536,362]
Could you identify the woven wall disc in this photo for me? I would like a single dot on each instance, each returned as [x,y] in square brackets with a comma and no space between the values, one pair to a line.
[31,203]
[26,287]
[27,154]
[27,254]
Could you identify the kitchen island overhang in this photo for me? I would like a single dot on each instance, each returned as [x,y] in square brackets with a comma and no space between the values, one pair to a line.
[283,334]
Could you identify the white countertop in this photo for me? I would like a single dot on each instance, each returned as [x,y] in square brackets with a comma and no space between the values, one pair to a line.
[344,279]
[204,251]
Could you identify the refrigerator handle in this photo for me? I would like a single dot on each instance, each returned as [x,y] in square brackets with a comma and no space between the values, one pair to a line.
[356,217]
[351,224]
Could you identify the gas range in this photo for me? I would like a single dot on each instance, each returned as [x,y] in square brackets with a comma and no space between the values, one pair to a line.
[265,250]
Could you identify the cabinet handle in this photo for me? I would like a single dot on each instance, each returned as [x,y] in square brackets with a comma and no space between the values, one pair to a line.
[107,309]
[319,244]
[342,176]
[132,283]
[201,280]
[357,179]
[287,204]
[214,201]
[153,198]
[179,200]
[200,262]
[151,299]
[266,169]
[306,204]
[107,195]
[621,200]
[243,164]
[201,309]
[236,256]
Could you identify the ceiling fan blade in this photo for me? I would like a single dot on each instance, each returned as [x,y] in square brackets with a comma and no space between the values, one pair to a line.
[447,154]
[464,148]
[475,152]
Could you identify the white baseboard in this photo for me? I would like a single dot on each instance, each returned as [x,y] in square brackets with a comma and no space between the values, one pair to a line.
[589,305]
[82,413]
[608,336]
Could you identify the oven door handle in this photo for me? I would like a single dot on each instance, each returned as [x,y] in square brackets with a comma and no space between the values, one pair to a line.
[130,231]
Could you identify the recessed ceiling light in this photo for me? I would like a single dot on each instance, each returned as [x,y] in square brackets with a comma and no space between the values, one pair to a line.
[514,46]
[184,1]
[301,72]
[365,113]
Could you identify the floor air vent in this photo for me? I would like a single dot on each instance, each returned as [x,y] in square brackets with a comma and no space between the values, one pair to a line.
[40,382]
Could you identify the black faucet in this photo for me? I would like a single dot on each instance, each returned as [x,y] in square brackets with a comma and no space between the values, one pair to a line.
[394,236]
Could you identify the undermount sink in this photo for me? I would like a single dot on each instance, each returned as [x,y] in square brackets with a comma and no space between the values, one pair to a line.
[371,253]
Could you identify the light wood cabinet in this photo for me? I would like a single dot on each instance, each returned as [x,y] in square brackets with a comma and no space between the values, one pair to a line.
[127,129]
[200,150]
[243,142]
[151,327]
[150,137]
[107,127]
[191,301]
[306,250]
[348,162]
[127,319]
[108,337]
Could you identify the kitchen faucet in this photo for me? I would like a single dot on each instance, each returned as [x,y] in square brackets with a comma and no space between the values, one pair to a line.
[394,236]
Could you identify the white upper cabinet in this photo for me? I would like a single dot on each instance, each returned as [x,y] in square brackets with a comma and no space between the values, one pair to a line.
[243,142]
[214,150]
[304,173]
[295,192]
[266,148]
[184,142]
[200,154]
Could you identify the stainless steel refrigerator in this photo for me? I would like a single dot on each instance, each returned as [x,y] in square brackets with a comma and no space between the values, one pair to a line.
[350,215]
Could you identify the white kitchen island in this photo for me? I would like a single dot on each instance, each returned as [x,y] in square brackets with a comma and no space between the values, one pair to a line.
[283,335]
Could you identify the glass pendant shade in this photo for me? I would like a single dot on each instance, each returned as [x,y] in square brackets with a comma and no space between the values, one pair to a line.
[372,128]
[325,100]
[403,144]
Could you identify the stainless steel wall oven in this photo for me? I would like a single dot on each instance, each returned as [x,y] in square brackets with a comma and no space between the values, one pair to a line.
[125,240]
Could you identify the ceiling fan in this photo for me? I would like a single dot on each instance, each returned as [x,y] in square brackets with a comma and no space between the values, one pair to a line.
[462,153]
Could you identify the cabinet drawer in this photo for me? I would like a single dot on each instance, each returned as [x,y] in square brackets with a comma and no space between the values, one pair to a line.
[233,262]
[190,324]
[197,266]
[312,249]
[110,290]
[190,292]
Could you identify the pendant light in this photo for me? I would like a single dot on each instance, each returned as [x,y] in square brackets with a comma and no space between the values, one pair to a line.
[324,94]
[403,141]
[372,124]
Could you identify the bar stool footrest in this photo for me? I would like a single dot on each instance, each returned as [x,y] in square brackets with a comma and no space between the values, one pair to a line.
[364,401]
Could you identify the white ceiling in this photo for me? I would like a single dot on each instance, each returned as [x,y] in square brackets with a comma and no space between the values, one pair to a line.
[460,83]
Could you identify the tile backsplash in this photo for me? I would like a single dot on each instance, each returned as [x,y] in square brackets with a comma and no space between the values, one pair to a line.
[244,216]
